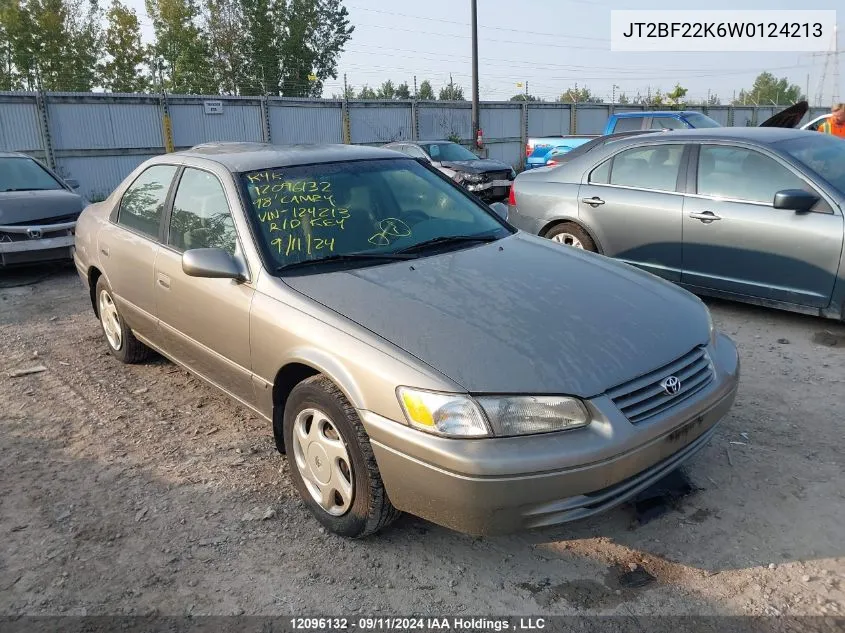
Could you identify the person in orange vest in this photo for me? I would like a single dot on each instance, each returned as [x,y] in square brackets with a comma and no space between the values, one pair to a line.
[835,123]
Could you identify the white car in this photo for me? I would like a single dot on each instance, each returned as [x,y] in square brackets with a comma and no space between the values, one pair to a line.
[816,123]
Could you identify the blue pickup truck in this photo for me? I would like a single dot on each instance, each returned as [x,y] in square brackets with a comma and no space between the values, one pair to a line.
[684,119]
[540,150]
[669,120]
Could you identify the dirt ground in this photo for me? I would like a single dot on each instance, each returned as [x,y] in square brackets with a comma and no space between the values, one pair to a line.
[138,490]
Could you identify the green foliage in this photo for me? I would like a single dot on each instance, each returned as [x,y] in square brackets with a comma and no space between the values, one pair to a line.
[57,41]
[524,97]
[223,22]
[426,92]
[386,91]
[579,95]
[367,93]
[181,49]
[768,90]
[125,53]
[455,138]
[623,99]
[402,91]
[452,92]
[676,97]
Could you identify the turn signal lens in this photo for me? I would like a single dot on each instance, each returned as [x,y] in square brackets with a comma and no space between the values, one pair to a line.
[446,414]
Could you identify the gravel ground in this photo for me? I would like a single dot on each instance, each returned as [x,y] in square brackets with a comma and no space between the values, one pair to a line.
[139,490]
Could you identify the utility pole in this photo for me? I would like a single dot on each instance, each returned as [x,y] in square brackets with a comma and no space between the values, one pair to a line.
[345,89]
[526,91]
[416,94]
[474,5]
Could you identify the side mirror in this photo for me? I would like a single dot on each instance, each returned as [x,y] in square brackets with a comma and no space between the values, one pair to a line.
[73,183]
[501,210]
[796,200]
[211,263]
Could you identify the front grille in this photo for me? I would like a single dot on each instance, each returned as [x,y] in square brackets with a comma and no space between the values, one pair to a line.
[644,397]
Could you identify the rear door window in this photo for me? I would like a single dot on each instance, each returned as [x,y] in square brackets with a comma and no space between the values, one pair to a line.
[628,124]
[142,206]
[653,167]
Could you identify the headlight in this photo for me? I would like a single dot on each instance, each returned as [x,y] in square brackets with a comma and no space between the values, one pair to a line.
[442,413]
[524,415]
[473,178]
[513,174]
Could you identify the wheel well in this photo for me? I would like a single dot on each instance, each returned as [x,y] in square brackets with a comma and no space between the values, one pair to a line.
[555,223]
[287,378]
[94,275]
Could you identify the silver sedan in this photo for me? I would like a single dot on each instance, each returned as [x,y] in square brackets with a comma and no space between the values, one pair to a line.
[752,214]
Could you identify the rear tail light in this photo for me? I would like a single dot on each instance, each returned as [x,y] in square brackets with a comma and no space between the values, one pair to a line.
[512,197]
[551,163]
[529,150]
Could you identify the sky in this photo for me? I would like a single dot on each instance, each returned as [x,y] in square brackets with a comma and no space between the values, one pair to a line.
[552,45]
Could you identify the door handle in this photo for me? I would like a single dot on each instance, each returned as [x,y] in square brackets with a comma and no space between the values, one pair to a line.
[705,216]
[104,250]
[595,201]
[164,281]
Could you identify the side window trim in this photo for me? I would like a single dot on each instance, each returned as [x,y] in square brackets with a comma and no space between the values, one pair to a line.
[114,216]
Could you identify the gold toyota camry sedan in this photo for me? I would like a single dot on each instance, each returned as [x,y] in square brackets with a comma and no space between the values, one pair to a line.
[410,348]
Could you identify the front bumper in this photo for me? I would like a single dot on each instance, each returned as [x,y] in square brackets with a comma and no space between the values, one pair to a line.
[493,191]
[502,485]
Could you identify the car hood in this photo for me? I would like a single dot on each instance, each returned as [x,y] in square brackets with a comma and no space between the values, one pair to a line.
[479,166]
[788,118]
[520,315]
[19,207]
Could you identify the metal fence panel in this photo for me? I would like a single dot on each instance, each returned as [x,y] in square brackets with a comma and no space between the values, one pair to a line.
[106,125]
[445,121]
[510,152]
[744,116]
[591,119]
[548,119]
[379,123]
[291,124]
[500,122]
[99,175]
[19,131]
[238,122]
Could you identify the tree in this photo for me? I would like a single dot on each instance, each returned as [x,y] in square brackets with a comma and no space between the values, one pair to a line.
[623,99]
[770,91]
[452,92]
[7,73]
[676,97]
[386,91]
[125,53]
[312,36]
[367,93]
[181,50]
[426,92]
[524,97]
[579,95]
[713,100]
[223,20]
[263,62]
[348,94]
[402,91]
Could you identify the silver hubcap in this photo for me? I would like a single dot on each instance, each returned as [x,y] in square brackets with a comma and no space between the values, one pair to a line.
[110,321]
[568,239]
[323,461]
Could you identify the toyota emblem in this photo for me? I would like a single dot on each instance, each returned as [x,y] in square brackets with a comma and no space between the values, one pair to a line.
[671,385]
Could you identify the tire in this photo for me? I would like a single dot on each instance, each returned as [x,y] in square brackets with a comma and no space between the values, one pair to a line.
[119,338]
[332,446]
[570,234]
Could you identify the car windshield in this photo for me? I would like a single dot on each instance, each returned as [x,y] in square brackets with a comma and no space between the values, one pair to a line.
[24,174]
[361,209]
[447,152]
[824,154]
[700,120]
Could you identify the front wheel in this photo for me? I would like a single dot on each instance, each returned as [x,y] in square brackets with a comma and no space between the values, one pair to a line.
[332,462]
[570,234]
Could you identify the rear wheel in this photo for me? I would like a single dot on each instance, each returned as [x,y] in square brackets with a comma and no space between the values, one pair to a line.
[570,234]
[332,462]
[121,342]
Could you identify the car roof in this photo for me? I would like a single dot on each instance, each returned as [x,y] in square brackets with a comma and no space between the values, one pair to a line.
[239,157]
[628,115]
[753,134]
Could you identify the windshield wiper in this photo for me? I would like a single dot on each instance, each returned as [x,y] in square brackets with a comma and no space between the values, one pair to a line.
[348,257]
[28,189]
[449,239]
